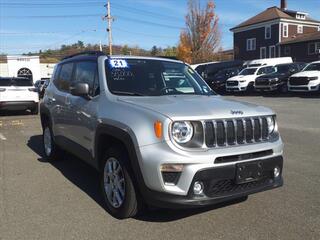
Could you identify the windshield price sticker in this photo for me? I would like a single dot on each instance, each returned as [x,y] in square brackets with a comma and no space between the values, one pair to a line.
[118,63]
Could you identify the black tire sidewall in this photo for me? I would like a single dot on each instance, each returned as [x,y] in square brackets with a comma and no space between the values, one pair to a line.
[54,149]
[129,206]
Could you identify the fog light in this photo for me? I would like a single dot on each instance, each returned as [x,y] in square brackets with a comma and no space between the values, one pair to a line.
[198,188]
[276,172]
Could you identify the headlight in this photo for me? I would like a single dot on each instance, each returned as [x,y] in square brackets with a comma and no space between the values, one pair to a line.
[182,132]
[242,81]
[313,78]
[271,124]
[274,79]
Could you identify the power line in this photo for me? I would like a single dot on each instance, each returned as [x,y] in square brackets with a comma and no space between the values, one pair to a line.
[53,16]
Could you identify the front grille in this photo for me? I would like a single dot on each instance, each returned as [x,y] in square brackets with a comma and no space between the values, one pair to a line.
[232,83]
[219,133]
[296,81]
[262,82]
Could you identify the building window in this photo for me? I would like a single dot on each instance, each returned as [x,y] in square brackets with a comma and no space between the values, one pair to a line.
[251,44]
[272,52]
[267,32]
[318,48]
[301,16]
[312,48]
[285,30]
[25,72]
[318,28]
[263,52]
[300,29]
[287,50]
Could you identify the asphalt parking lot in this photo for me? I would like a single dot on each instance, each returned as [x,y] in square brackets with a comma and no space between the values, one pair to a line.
[40,200]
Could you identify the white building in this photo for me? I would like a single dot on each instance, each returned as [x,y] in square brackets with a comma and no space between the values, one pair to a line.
[26,66]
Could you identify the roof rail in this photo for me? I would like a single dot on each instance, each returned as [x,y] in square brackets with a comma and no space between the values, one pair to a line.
[85,53]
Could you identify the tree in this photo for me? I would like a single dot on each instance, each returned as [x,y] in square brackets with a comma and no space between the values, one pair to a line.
[170,51]
[154,51]
[201,38]
[125,50]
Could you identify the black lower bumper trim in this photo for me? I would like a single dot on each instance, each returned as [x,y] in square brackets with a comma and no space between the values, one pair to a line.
[18,105]
[220,186]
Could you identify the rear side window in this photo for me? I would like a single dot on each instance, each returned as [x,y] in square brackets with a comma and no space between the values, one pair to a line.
[63,81]
[87,72]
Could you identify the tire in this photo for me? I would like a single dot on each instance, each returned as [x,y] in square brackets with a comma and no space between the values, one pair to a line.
[51,151]
[284,88]
[117,185]
[35,110]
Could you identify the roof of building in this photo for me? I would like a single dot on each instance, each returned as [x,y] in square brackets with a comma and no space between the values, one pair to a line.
[272,13]
[302,38]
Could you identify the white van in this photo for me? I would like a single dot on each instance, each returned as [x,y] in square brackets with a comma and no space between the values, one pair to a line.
[267,61]
[18,94]
[306,81]
[246,78]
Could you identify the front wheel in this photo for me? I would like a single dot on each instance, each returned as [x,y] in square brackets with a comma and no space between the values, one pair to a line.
[51,150]
[119,193]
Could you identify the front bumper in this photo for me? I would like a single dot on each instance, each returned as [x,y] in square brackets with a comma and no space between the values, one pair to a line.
[311,87]
[219,186]
[271,87]
[242,86]
[18,105]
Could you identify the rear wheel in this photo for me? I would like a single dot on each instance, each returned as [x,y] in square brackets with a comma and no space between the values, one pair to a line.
[117,184]
[51,150]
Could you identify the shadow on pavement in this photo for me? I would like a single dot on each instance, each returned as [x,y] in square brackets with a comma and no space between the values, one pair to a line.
[4,113]
[86,178]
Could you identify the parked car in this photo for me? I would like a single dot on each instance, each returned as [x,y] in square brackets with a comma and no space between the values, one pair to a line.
[278,81]
[246,78]
[212,69]
[306,81]
[18,94]
[157,134]
[267,61]
[218,81]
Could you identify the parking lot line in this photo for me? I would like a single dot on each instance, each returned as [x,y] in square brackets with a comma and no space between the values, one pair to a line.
[2,137]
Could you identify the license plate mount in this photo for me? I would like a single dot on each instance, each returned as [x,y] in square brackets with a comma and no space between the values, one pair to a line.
[248,172]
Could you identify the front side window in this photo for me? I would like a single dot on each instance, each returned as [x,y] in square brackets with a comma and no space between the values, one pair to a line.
[145,77]
[87,72]
[64,78]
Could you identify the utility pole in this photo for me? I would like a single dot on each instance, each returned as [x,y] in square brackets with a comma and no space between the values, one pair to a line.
[109,18]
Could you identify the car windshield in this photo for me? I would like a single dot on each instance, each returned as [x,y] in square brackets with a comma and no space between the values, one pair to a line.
[148,77]
[248,71]
[313,67]
[21,82]
[283,68]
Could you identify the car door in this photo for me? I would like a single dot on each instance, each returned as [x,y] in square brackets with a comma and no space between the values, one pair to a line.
[57,102]
[84,110]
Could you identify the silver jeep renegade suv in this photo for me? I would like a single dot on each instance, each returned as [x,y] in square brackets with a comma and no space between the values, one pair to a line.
[157,134]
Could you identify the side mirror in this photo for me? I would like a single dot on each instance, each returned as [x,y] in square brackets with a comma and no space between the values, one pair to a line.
[81,90]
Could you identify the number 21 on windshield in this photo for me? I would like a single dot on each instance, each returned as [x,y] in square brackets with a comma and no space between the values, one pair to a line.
[118,63]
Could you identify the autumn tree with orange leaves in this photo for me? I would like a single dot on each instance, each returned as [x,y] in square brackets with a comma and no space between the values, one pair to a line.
[201,38]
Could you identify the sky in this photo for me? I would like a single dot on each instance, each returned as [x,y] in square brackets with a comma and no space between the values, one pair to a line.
[31,25]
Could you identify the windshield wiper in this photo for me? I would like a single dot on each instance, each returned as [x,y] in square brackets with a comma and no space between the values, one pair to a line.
[127,93]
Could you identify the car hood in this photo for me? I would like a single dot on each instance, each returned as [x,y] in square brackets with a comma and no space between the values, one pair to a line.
[307,74]
[274,75]
[184,107]
[242,77]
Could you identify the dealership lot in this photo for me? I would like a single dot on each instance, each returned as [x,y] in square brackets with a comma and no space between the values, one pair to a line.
[39,200]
